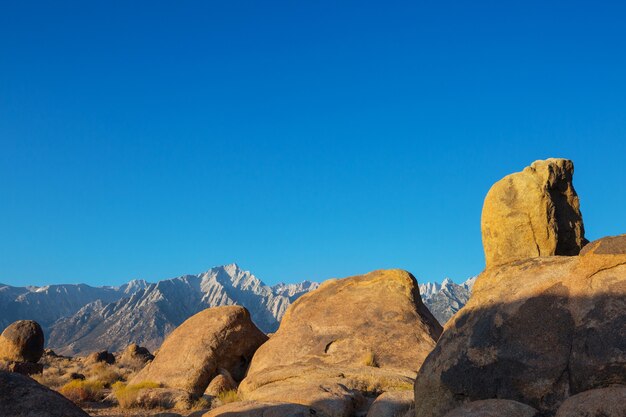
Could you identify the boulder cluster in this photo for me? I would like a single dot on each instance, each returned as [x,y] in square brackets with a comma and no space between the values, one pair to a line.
[542,335]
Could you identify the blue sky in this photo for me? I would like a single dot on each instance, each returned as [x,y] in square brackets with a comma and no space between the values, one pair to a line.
[302,140]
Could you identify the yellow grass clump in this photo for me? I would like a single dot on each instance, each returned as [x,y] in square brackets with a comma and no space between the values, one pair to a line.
[127,394]
[228,396]
[80,391]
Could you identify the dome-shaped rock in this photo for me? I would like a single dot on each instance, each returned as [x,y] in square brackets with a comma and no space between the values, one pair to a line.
[350,338]
[218,337]
[22,341]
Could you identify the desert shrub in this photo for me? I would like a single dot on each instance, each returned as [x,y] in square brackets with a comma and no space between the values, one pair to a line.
[105,373]
[127,394]
[80,391]
[51,380]
[229,396]
[369,359]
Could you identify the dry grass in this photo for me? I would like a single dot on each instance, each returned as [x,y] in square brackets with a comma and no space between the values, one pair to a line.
[127,394]
[369,359]
[105,373]
[229,396]
[83,391]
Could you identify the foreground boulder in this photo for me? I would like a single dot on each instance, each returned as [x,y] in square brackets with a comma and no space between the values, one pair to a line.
[219,337]
[350,339]
[533,213]
[22,341]
[535,331]
[493,408]
[259,409]
[391,404]
[603,402]
[20,396]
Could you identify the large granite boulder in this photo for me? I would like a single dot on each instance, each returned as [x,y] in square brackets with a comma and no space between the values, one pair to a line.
[535,331]
[350,339]
[22,341]
[391,404]
[533,213]
[601,402]
[21,396]
[493,408]
[218,337]
[260,409]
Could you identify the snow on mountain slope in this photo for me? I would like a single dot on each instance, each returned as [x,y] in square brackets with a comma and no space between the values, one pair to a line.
[78,319]
[445,299]
[152,312]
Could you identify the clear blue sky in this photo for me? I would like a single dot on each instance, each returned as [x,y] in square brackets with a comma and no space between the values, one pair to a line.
[300,139]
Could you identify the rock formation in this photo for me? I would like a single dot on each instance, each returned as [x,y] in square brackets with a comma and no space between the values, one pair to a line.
[493,408]
[259,409]
[219,337]
[349,339]
[533,213]
[535,331]
[22,341]
[391,404]
[20,396]
[602,402]
[135,354]
[101,356]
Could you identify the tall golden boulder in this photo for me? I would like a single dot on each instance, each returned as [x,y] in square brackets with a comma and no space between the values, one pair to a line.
[533,213]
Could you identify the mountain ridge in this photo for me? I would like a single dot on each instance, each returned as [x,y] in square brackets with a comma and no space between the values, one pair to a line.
[93,318]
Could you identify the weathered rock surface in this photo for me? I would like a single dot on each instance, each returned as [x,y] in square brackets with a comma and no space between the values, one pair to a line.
[263,409]
[602,402]
[20,396]
[533,213]
[24,368]
[223,337]
[221,383]
[493,408]
[391,404]
[22,341]
[102,356]
[534,331]
[135,354]
[351,338]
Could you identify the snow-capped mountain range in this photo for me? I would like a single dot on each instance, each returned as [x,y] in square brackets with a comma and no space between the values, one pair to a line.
[78,319]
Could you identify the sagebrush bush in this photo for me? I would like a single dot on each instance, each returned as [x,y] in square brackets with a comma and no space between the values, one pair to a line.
[127,394]
[105,373]
[80,391]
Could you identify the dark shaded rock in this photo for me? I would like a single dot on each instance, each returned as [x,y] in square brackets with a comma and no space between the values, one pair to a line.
[534,331]
[102,356]
[493,408]
[20,396]
[602,402]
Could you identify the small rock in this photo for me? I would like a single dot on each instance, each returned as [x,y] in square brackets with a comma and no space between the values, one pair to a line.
[102,356]
[391,404]
[222,382]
